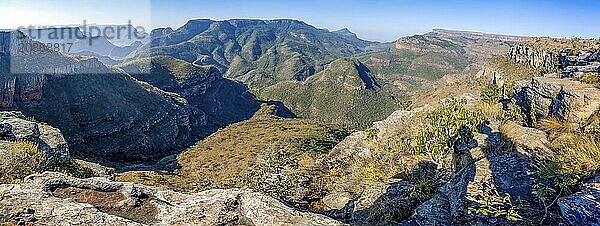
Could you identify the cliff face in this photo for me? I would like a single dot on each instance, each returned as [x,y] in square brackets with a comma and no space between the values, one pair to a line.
[223,101]
[574,63]
[102,112]
[534,57]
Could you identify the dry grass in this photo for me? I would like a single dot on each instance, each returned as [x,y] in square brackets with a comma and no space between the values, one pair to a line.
[23,158]
[578,151]
[593,79]
[555,128]
[20,160]
[581,155]
[236,150]
[276,156]
[511,71]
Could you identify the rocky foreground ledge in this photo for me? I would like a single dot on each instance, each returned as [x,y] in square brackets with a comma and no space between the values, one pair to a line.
[56,199]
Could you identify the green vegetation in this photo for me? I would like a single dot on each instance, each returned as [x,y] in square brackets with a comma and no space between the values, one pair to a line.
[22,159]
[164,69]
[553,183]
[345,94]
[491,93]
[257,53]
[113,99]
[442,127]
[273,155]
[419,57]
[496,205]
[511,71]
[417,152]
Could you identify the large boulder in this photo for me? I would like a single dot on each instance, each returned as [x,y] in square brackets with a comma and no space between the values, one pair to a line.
[564,99]
[583,208]
[55,199]
[15,126]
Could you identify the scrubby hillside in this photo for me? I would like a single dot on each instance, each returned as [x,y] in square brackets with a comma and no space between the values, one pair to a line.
[270,154]
[345,93]
[256,52]
[223,101]
[416,63]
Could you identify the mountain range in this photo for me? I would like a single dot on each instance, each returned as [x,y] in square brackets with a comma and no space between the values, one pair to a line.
[277,122]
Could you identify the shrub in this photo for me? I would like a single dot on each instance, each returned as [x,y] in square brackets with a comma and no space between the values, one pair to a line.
[552,183]
[371,135]
[21,159]
[491,203]
[491,93]
[74,169]
[441,129]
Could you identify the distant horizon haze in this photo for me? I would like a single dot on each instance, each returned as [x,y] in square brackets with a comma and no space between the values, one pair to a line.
[378,20]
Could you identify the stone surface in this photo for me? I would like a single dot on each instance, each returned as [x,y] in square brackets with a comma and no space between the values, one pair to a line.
[534,57]
[528,141]
[563,99]
[55,199]
[490,168]
[583,208]
[15,126]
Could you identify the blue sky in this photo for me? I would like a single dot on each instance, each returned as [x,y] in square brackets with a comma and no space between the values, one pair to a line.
[381,20]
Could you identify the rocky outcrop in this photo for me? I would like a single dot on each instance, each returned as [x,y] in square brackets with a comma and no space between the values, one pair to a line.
[534,57]
[529,142]
[583,208]
[563,99]
[15,126]
[574,63]
[55,199]
[489,170]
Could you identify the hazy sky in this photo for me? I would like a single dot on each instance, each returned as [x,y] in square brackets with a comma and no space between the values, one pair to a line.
[381,20]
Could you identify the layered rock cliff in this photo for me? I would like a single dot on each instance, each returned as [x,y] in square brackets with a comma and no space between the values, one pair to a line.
[102,112]
[223,101]
[534,57]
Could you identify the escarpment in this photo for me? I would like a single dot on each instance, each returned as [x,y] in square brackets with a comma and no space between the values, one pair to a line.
[102,112]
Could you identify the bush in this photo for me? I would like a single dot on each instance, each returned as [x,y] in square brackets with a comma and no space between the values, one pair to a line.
[491,93]
[22,159]
[441,129]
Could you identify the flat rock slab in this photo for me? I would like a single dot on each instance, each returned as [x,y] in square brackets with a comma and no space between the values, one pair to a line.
[56,199]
